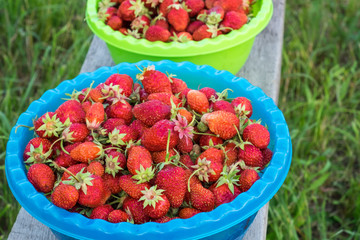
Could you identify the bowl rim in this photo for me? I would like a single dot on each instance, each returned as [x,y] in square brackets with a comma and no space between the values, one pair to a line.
[191,48]
[202,224]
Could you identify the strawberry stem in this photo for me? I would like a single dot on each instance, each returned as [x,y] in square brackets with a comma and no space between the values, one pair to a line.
[67,171]
[194,172]
[28,127]
[167,147]
[88,91]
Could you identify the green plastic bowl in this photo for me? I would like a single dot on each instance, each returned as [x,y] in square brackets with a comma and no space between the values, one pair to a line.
[225,52]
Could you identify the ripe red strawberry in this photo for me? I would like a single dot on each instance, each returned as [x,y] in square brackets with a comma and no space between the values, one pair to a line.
[157,33]
[41,177]
[114,161]
[115,22]
[233,20]
[138,156]
[138,127]
[111,123]
[65,196]
[74,169]
[164,6]
[162,23]
[223,194]
[229,5]
[151,112]
[193,26]
[214,15]
[140,23]
[186,160]
[208,170]
[209,3]
[124,81]
[257,134]
[37,150]
[173,180]
[165,97]
[184,93]
[96,168]
[48,125]
[85,152]
[136,210]
[177,85]
[242,106]
[205,140]
[159,157]
[206,31]
[188,212]
[197,101]
[111,11]
[131,187]
[122,135]
[209,92]
[156,204]
[96,95]
[95,116]
[186,114]
[121,110]
[223,105]
[154,81]
[178,17]
[267,155]
[164,219]
[202,198]
[117,216]
[251,155]
[112,183]
[93,196]
[155,139]
[185,145]
[213,154]
[195,6]
[222,123]
[76,132]
[130,9]
[101,212]
[71,110]
[247,178]
[231,154]
[86,106]
[64,159]
[181,37]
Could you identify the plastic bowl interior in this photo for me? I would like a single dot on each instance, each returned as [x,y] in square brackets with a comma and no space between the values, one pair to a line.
[201,225]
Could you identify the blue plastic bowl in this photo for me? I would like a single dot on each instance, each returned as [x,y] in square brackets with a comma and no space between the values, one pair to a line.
[228,221]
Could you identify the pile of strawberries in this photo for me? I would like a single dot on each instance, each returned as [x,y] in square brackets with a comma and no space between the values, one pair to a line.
[122,151]
[175,20]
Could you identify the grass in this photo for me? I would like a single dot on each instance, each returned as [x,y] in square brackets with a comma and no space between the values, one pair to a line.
[320,97]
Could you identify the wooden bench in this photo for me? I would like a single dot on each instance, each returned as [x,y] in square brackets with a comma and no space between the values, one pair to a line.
[262,69]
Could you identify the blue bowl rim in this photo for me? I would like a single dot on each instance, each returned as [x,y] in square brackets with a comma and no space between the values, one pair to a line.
[201,225]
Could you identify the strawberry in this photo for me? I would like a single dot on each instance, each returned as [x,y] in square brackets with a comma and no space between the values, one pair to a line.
[130,9]
[112,183]
[64,159]
[206,31]
[159,157]
[74,169]
[140,23]
[177,85]
[71,110]
[111,11]
[115,22]
[185,213]
[164,219]
[96,95]
[267,155]
[117,216]
[86,151]
[164,7]
[65,196]
[184,93]
[76,132]
[124,81]
[138,127]
[247,178]
[224,106]
[178,17]
[195,6]
[223,194]
[138,156]
[37,150]
[92,195]
[101,212]
[257,134]
[157,33]
[114,162]
[213,154]
[154,81]
[173,180]
[233,20]
[122,135]
[151,112]
[48,125]
[186,114]
[202,198]
[193,26]
[86,106]
[121,110]
[228,5]
[185,145]
[242,106]
[41,177]
[209,92]
[197,101]
[214,15]
[231,154]
[156,138]
[95,116]
[251,156]
[207,140]
[165,97]
[224,124]
[162,23]
[96,168]
[186,160]
[207,170]
[131,187]
[136,210]
[111,123]
[155,203]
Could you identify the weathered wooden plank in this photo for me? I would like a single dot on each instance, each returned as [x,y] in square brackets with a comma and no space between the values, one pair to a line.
[262,69]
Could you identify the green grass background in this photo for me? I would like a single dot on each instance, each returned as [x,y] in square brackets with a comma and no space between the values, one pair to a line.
[45,42]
